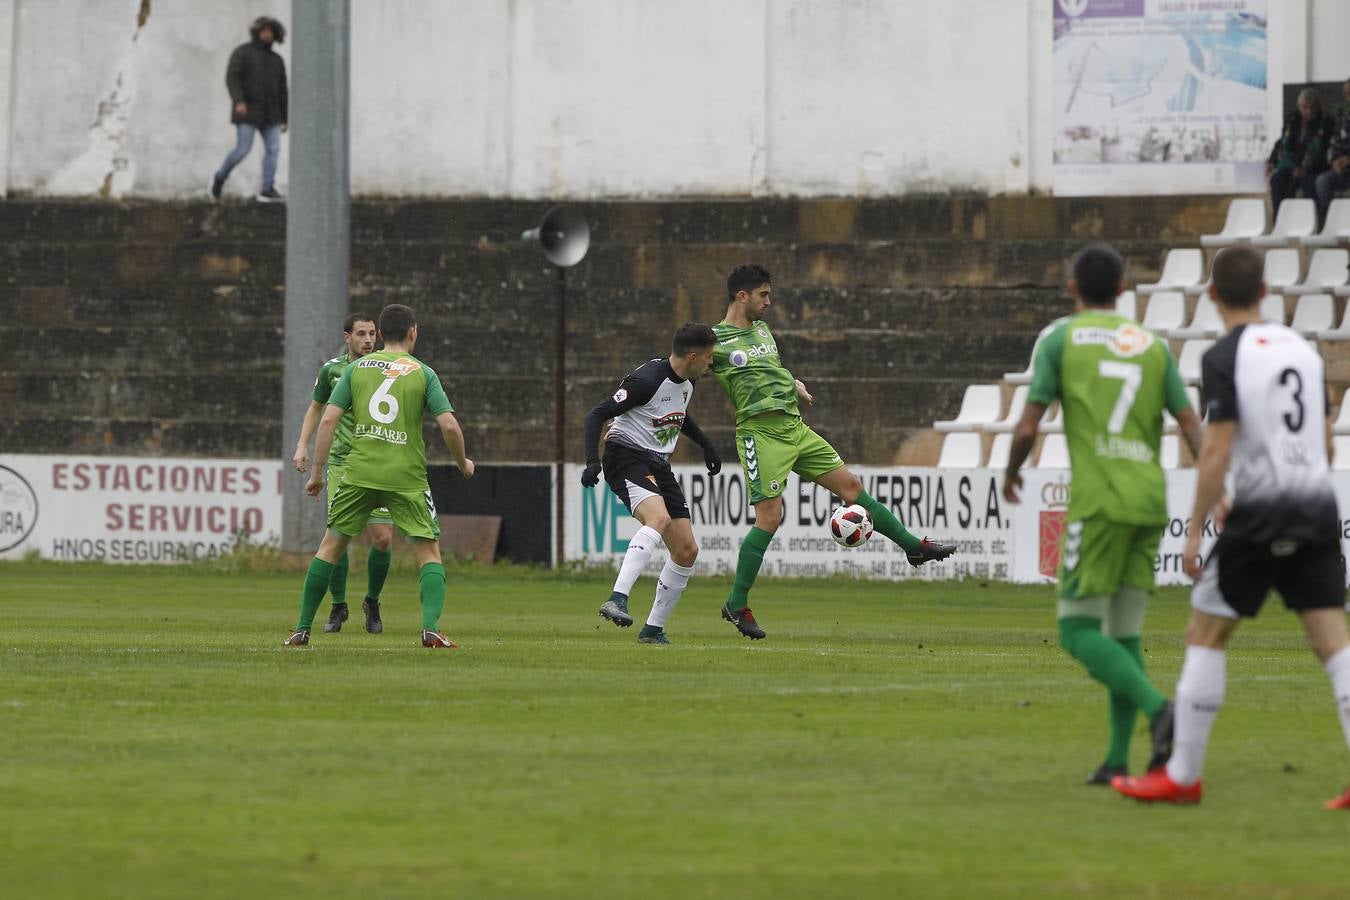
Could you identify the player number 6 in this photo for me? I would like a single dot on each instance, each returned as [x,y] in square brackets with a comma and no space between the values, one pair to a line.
[383,407]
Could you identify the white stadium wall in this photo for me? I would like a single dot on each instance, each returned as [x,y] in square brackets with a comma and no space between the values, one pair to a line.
[593,98]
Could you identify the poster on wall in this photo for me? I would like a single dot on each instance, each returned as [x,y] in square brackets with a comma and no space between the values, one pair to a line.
[963,506]
[126,509]
[1159,97]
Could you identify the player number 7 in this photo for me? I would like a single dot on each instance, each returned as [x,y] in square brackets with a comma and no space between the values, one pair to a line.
[1131,376]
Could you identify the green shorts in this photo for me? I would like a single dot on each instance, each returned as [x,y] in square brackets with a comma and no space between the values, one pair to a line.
[772,445]
[378,516]
[412,512]
[1099,557]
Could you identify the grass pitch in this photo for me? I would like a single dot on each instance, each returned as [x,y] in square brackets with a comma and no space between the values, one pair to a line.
[920,740]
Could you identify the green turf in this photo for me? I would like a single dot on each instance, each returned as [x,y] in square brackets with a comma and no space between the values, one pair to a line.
[918,740]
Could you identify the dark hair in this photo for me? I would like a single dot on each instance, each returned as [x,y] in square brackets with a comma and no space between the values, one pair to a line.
[746,277]
[1099,271]
[692,336]
[396,320]
[1238,275]
[350,322]
[278,30]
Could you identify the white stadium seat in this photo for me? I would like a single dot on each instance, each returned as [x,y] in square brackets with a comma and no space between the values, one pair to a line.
[999,451]
[1342,423]
[1272,309]
[1127,305]
[1188,364]
[1282,269]
[1327,270]
[1014,414]
[1165,312]
[1315,313]
[1296,220]
[1205,322]
[1336,229]
[1054,452]
[981,405]
[961,450]
[1341,332]
[1181,269]
[1341,450]
[1170,452]
[1246,220]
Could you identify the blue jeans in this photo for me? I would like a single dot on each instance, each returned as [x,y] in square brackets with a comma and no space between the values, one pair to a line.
[271,135]
[1328,183]
[1284,185]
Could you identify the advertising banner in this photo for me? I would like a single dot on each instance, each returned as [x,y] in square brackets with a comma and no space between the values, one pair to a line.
[134,509]
[1159,97]
[961,506]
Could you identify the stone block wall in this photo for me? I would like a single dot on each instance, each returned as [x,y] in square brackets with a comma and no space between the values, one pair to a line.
[157,328]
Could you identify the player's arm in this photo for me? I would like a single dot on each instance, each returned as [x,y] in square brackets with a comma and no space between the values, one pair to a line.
[453,436]
[802,393]
[1048,355]
[1024,438]
[322,444]
[633,391]
[438,404]
[339,401]
[1218,383]
[311,421]
[711,458]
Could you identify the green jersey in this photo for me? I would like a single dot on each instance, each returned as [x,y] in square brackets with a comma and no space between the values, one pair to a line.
[746,364]
[386,393]
[328,378]
[1113,379]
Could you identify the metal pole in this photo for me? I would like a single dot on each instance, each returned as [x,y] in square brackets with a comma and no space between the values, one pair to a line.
[317,235]
[559,405]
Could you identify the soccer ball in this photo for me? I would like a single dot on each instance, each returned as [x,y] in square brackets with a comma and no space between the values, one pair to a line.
[850,526]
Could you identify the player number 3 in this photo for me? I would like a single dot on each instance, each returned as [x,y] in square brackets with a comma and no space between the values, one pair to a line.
[383,406]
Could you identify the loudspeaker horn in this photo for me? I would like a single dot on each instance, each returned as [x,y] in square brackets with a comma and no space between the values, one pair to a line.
[564,236]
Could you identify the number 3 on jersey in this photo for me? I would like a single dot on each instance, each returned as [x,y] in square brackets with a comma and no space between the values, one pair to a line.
[1131,376]
[383,405]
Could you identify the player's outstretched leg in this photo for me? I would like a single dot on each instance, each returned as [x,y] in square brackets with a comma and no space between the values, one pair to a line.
[431,587]
[640,550]
[846,486]
[311,595]
[337,584]
[377,570]
[670,585]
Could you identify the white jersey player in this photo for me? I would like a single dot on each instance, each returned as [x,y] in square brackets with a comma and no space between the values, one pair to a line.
[1266,402]
[650,410]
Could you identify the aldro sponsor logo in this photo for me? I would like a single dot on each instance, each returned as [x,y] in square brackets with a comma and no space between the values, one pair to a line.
[18,509]
[739,357]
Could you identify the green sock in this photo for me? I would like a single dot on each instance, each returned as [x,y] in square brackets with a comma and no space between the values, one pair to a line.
[884,520]
[337,582]
[1108,662]
[316,583]
[431,585]
[377,569]
[747,567]
[1123,711]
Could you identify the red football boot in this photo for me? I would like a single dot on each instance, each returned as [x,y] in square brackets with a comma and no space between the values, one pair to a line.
[1157,787]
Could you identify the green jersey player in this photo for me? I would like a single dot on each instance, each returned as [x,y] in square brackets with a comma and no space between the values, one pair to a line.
[387,392]
[1113,379]
[358,333]
[772,440]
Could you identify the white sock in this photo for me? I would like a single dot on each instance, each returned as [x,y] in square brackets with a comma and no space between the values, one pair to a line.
[1200,690]
[670,585]
[635,560]
[1338,670]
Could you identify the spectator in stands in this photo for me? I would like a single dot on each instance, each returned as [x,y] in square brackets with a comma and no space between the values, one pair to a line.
[256,78]
[1337,178]
[1300,155]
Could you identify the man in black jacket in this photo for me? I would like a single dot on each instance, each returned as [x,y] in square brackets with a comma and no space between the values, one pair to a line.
[256,78]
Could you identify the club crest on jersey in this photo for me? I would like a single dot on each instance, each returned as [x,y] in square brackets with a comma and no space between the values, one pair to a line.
[1127,340]
[620,395]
